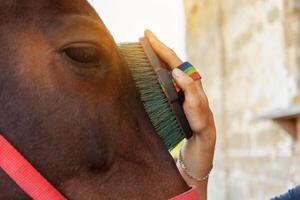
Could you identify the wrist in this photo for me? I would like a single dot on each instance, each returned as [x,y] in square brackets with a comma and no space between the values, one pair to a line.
[199,150]
[197,157]
[205,173]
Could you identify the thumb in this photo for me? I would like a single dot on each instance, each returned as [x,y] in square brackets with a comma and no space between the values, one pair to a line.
[182,80]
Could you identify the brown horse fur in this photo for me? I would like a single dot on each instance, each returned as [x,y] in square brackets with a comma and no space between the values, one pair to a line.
[83,128]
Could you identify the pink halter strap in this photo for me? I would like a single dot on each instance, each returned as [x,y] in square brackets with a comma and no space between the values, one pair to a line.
[25,175]
[192,194]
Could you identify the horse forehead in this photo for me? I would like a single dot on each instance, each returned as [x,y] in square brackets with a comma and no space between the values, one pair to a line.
[44,8]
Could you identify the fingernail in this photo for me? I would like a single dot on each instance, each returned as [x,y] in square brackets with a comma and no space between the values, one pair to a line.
[177,72]
[147,31]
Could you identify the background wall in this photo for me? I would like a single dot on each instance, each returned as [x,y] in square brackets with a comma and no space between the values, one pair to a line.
[248,53]
[128,19]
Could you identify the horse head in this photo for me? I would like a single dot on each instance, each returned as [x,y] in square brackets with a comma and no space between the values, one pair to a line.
[70,106]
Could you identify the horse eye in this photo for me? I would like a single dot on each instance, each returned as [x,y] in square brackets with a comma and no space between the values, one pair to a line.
[88,56]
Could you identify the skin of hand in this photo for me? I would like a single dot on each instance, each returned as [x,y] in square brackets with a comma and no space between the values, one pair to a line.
[197,152]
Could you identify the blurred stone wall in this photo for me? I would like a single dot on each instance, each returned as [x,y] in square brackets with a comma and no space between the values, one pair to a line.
[248,52]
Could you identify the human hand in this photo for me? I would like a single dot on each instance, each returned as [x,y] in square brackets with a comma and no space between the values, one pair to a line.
[196,104]
[198,151]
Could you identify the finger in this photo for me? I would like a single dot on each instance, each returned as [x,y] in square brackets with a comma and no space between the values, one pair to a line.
[165,53]
[185,82]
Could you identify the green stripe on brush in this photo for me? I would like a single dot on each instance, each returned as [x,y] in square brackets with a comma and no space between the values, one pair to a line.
[155,102]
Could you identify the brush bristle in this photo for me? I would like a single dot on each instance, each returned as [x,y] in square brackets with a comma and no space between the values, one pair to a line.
[155,102]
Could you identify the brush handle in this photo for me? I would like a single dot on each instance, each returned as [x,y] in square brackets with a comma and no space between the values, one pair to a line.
[175,99]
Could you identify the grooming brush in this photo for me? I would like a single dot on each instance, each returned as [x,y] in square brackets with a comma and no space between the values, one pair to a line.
[158,92]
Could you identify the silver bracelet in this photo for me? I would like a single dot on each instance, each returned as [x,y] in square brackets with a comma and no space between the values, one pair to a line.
[188,172]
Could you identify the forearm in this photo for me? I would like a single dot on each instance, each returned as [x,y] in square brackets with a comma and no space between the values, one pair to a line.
[197,155]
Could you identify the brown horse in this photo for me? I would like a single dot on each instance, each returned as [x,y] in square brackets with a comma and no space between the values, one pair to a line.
[69,105]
